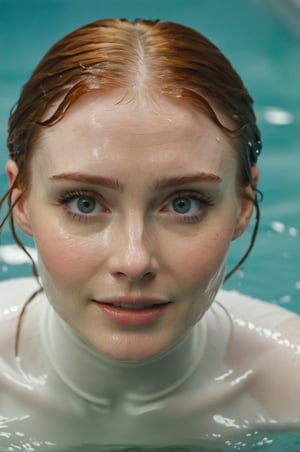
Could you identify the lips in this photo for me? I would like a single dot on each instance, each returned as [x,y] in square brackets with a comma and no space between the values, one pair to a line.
[133,312]
[132,306]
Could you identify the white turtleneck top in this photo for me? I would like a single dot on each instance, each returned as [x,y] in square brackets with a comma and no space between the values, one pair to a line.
[59,394]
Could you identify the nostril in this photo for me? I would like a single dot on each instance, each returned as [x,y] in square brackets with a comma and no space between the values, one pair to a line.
[120,274]
[133,268]
[148,276]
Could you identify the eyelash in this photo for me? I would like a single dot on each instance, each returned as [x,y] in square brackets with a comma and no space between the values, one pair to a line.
[68,197]
[206,200]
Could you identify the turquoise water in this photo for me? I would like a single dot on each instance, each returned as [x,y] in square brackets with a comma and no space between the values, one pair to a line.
[266,53]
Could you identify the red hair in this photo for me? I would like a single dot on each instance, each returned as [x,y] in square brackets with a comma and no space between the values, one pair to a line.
[108,54]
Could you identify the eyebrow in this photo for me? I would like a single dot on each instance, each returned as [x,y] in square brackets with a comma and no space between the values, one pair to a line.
[187,179]
[114,184]
[89,179]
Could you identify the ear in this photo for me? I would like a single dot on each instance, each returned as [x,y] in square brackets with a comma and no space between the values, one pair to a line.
[18,199]
[247,197]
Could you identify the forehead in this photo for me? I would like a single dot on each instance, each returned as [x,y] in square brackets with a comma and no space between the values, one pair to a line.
[118,122]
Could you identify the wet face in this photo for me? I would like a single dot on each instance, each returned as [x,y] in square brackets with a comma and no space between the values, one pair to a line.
[132,206]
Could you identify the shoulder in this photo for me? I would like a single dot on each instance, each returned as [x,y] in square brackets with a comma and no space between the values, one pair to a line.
[19,284]
[253,310]
[13,295]
[261,325]
[16,291]
[278,384]
[266,338]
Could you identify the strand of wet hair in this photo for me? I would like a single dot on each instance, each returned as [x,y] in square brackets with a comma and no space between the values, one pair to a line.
[253,236]
[21,318]
[9,216]
[35,274]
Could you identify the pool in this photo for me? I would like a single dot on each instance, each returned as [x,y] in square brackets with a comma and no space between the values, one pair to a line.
[266,52]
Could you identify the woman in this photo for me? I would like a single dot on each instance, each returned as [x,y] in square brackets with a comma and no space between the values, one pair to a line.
[133,153]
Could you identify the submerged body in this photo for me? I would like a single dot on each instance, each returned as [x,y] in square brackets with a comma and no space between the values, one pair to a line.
[211,386]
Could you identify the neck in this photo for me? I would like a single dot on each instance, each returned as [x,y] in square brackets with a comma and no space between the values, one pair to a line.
[99,379]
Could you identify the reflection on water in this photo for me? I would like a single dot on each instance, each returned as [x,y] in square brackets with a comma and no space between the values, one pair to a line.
[263,441]
[252,441]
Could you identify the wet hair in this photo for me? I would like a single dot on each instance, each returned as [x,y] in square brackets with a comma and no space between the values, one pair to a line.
[108,54]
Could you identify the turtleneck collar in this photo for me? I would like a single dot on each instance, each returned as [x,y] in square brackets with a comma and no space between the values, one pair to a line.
[101,380]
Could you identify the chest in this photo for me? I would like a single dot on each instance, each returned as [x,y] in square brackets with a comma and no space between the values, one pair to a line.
[47,415]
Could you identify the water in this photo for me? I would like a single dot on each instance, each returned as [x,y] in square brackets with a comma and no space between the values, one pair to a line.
[265,52]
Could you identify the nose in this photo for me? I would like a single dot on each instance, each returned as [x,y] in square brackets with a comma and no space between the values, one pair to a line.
[133,257]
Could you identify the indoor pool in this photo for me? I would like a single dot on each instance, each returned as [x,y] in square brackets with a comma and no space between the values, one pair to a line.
[262,40]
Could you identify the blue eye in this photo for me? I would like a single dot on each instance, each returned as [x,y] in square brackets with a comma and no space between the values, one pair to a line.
[184,205]
[84,204]
[188,207]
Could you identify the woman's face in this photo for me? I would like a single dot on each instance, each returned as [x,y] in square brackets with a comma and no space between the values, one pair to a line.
[132,206]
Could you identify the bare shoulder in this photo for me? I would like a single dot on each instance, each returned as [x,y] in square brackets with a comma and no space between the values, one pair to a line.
[16,291]
[278,384]
[261,325]
[266,339]
[13,295]
[253,310]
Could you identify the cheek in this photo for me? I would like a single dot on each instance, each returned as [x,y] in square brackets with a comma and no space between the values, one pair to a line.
[202,275]
[201,263]
[62,258]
